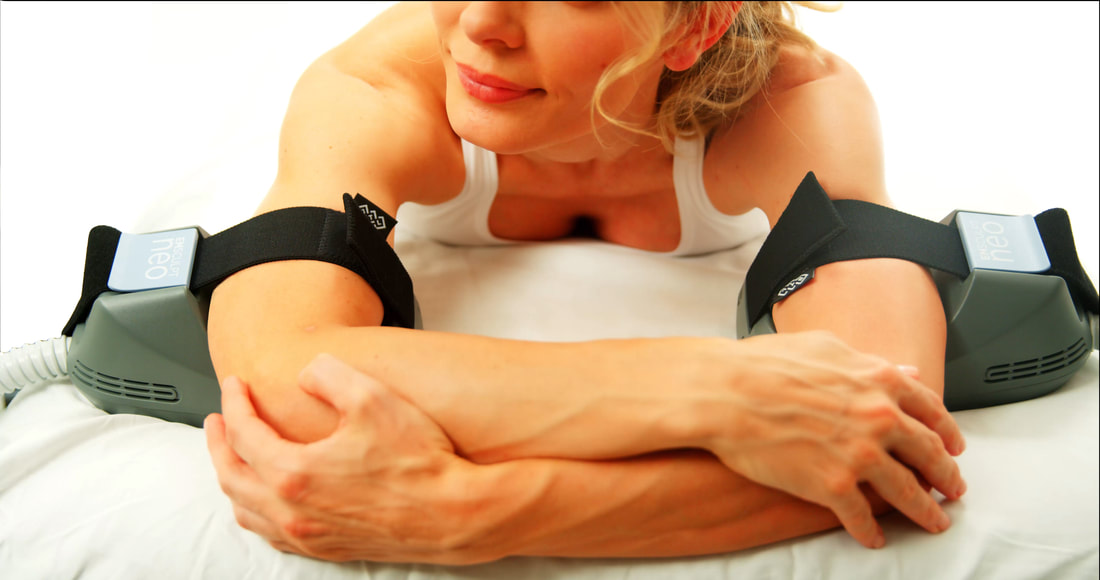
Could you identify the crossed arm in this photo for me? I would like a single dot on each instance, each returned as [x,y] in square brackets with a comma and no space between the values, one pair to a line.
[386,486]
[451,448]
[453,512]
[567,449]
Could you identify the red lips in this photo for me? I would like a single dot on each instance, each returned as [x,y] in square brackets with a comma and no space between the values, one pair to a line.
[489,88]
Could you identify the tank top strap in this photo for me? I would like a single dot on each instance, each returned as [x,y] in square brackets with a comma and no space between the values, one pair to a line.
[463,219]
[703,228]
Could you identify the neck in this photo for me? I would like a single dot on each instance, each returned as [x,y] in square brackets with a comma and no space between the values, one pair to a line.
[607,142]
[611,145]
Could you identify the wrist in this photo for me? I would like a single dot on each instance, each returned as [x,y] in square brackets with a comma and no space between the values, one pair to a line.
[700,384]
[472,500]
[708,412]
[657,395]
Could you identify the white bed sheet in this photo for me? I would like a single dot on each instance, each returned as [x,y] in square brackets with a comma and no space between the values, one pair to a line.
[148,116]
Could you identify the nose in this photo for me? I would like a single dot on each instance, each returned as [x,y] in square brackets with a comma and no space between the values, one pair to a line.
[494,24]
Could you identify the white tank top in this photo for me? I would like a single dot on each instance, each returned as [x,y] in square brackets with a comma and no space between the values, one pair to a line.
[464,219]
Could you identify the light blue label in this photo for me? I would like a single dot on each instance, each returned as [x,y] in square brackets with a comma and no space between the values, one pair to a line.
[1002,242]
[157,260]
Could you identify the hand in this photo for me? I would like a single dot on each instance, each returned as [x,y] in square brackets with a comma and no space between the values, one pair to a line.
[384,486]
[816,419]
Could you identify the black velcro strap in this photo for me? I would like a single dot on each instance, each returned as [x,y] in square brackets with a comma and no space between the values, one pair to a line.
[354,239]
[1054,228]
[102,245]
[808,222]
[877,231]
[348,239]
[814,231]
[295,233]
[367,228]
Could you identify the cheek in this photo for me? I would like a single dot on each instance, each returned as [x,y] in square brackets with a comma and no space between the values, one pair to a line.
[445,15]
[577,63]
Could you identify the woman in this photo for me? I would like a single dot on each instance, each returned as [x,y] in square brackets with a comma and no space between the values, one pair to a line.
[677,127]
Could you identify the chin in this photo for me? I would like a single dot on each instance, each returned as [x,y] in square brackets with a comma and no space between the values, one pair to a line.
[496,133]
[509,129]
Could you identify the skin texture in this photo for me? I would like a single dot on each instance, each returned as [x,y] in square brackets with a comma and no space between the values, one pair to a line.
[795,433]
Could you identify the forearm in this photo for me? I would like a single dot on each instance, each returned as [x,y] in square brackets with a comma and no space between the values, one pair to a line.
[496,399]
[676,503]
[885,307]
[502,399]
[603,398]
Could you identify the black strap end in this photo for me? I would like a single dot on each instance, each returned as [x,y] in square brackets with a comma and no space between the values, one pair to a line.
[790,243]
[102,245]
[367,229]
[815,230]
[1054,229]
[380,222]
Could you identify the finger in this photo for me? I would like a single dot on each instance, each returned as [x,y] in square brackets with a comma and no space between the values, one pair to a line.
[854,512]
[285,547]
[221,453]
[255,523]
[237,479]
[351,392]
[879,506]
[922,404]
[251,438]
[250,497]
[923,451]
[910,371]
[898,486]
[368,408]
[267,529]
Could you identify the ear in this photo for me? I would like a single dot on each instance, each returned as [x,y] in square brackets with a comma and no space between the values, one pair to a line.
[699,37]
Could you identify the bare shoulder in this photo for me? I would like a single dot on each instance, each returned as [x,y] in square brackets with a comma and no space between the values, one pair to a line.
[396,50]
[800,65]
[369,116]
[397,55]
[815,114]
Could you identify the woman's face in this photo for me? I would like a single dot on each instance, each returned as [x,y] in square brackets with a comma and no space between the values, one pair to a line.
[521,75]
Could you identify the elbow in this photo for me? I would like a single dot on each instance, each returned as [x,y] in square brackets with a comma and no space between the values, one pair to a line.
[270,367]
[267,322]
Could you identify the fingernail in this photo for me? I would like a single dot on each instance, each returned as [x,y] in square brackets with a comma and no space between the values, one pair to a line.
[943,523]
[307,373]
[962,489]
[317,371]
[879,540]
[910,370]
[322,365]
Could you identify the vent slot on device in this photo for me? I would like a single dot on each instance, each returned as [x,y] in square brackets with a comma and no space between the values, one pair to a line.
[127,388]
[1037,366]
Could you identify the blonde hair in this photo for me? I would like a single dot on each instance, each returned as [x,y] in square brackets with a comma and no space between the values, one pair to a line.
[725,77]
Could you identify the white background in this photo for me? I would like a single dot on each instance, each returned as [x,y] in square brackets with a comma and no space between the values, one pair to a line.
[108,110]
